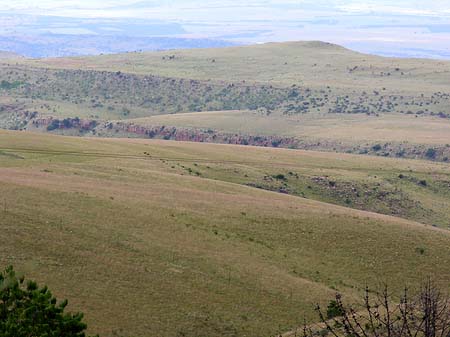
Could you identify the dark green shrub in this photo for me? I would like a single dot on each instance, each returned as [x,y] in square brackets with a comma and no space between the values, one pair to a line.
[430,153]
[276,143]
[53,125]
[280,177]
[334,310]
[420,250]
[376,147]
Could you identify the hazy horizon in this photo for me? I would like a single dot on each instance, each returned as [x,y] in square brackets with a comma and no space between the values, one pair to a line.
[406,28]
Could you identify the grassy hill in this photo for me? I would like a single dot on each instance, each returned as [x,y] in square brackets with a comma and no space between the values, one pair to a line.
[315,64]
[293,95]
[162,238]
[286,78]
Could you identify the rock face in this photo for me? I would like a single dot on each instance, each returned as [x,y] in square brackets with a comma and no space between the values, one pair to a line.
[200,135]
[51,123]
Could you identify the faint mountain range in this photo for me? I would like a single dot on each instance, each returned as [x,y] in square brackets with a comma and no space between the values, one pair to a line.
[9,55]
[54,36]
[58,45]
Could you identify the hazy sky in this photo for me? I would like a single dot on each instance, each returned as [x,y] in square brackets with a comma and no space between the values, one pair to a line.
[116,8]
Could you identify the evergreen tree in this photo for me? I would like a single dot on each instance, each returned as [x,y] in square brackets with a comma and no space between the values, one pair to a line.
[26,310]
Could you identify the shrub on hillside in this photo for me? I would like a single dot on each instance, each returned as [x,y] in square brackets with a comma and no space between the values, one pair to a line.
[280,176]
[430,153]
[53,125]
[334,310]
[376,147]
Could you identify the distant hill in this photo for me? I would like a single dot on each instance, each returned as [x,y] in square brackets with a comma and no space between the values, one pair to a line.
[287,78]
[304,63]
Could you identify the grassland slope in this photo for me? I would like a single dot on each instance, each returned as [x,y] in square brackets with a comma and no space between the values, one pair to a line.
[146,246]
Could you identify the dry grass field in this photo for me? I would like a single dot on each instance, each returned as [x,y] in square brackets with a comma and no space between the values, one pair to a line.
[163,238]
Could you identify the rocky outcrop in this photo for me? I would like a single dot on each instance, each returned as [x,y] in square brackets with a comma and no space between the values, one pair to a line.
[51,123]
[201,135]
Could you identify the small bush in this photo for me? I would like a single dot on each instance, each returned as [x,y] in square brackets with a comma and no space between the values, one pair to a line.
[430,153]
[420,250]
[376,147]
[280,177]
[334,310]
[53,125]
[423,183]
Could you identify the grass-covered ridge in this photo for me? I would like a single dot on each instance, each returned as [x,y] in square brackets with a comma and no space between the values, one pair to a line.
[156,237]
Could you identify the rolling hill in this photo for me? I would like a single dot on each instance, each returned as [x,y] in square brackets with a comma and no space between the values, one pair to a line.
[302,95]
[288,79]
[152,237]
[313,63]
